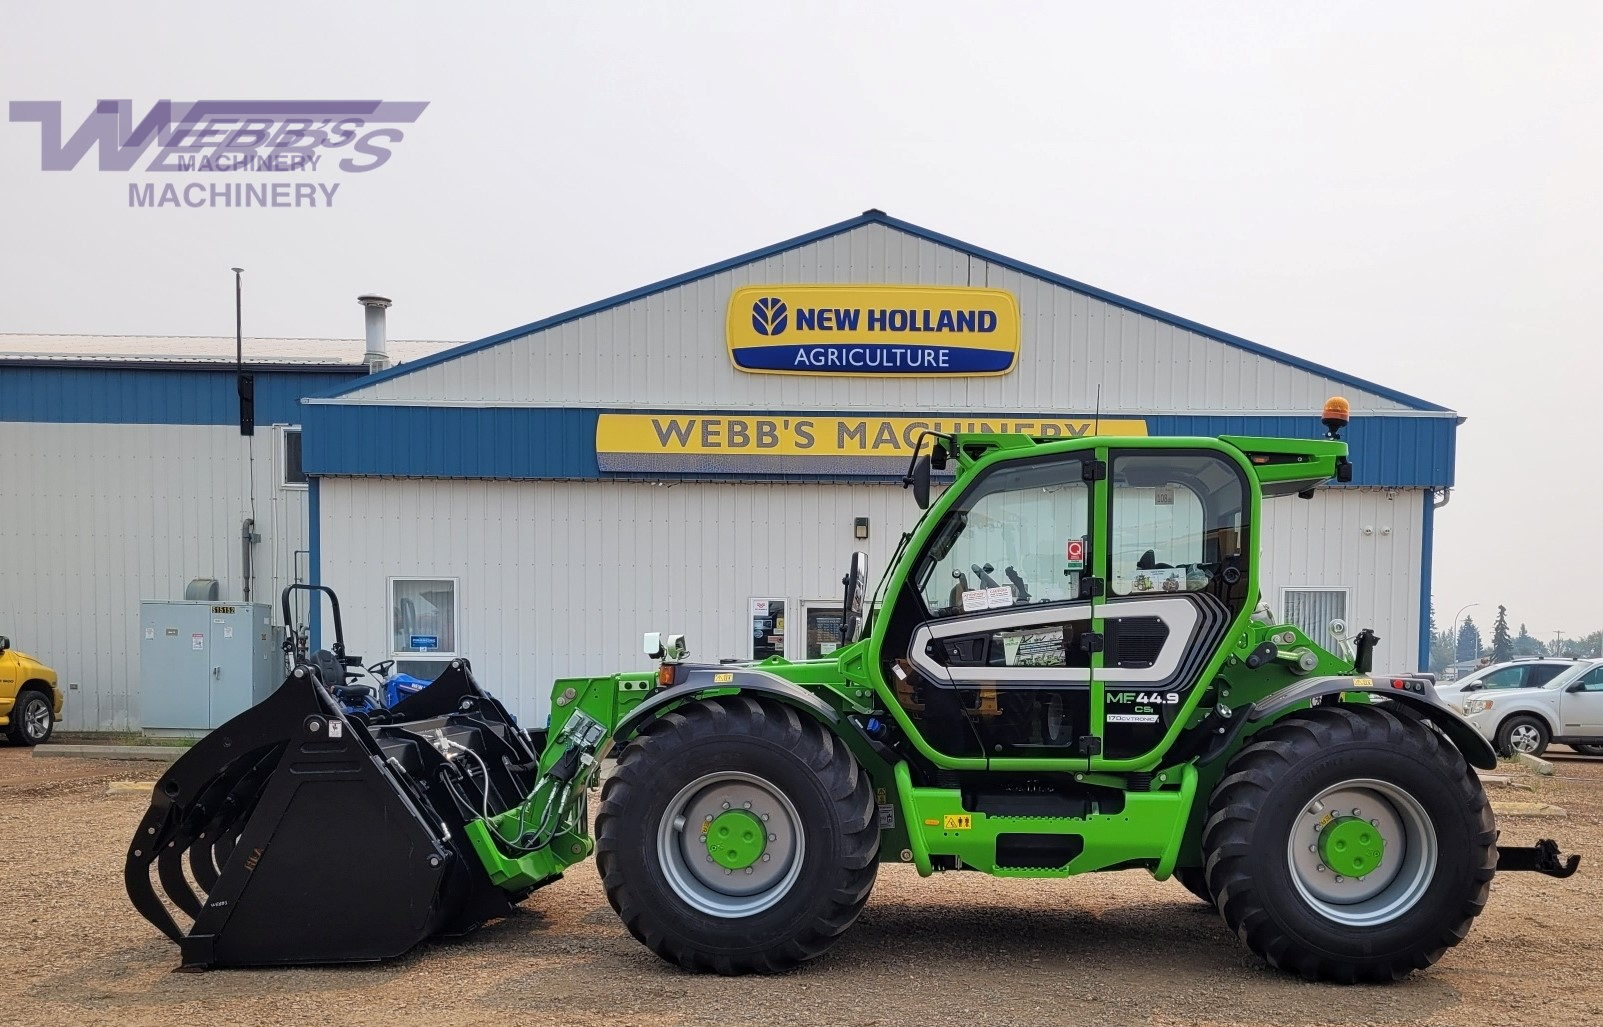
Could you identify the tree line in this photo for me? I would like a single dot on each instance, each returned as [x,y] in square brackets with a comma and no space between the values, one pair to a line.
[1464,642]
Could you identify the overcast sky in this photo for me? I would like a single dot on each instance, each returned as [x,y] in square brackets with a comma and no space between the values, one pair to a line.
[1409,193]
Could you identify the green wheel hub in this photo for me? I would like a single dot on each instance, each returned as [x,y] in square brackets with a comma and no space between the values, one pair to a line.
[1351,846]
[736,839]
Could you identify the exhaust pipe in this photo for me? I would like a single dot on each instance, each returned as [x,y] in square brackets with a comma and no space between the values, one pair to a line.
[376,358]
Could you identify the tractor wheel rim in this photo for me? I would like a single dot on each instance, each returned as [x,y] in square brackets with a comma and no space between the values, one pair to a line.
[1523,738]
[1387,889]
[36,719]
[689,855]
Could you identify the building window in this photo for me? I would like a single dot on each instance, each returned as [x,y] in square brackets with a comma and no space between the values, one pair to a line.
[294,477]
[1312,610]
[823,629]
[767,628]
[423,619]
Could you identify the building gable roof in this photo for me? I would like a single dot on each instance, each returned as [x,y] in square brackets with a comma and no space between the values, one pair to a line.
[871,217]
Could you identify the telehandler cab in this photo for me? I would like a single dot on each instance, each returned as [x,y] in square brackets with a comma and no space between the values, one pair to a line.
[1115,698]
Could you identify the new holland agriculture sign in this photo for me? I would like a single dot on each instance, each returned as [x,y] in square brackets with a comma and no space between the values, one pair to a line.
[877,330]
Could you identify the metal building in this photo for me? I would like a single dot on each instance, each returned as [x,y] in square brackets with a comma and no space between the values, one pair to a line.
[703,454]
[124,476]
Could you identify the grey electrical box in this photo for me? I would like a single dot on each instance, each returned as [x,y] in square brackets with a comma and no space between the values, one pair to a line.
[201,663]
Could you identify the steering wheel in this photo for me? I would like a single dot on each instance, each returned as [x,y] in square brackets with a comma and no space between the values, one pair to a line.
[856,582]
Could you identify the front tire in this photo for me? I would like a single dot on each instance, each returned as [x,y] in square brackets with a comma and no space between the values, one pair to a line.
[1522,733]
[1348,844]
[737,836]
[32,721]
[1195,881]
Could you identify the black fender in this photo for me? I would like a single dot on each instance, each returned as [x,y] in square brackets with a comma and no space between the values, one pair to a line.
[697,680]
[1417,698]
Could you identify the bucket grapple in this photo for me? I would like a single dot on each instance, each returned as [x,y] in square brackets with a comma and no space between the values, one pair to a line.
[297,833]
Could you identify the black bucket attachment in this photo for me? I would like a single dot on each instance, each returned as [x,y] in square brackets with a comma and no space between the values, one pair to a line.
[296,833]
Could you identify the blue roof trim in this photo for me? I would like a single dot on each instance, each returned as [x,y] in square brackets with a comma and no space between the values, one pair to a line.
[162,395]
[534,443]
[607,304]
[1414,402]
[879,217]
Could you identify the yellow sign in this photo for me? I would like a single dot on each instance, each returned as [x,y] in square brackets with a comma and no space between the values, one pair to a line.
[957,822]
[893,331]
[849,437]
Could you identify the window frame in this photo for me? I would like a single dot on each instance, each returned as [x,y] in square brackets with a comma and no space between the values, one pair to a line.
[435,655]
[284,481]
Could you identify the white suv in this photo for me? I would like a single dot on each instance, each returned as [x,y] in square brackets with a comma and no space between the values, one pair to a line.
[1517,714]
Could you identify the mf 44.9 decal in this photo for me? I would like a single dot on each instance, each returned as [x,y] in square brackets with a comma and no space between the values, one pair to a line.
[1145,698]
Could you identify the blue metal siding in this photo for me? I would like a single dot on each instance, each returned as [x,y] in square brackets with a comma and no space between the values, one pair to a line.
[133,395]
[540,442]
[449,442]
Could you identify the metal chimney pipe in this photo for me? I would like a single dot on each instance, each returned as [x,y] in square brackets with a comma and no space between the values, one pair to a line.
[376,358]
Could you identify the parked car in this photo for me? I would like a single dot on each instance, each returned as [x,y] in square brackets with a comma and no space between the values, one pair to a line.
[30,700]
[1526,672]
[1567,707]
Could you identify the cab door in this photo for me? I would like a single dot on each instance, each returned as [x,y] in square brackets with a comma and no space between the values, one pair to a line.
[998,616]
[1180,570]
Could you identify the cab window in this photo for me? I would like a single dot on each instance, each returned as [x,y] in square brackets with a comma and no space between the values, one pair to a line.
[1179,525]
[1008,541]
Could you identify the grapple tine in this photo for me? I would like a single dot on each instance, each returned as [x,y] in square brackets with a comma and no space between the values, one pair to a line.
[170,870]
[136,870]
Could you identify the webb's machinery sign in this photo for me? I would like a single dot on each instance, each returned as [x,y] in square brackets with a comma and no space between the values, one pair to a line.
[878,330]
[803,443]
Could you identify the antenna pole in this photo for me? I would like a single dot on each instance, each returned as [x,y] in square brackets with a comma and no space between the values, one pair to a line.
[245,384]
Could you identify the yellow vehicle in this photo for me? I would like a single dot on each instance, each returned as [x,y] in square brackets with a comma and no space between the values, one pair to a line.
[30,700]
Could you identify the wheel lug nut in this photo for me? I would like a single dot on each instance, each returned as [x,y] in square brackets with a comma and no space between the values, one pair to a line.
[746,805]
[1321,868]
[1311,848]
[1374,823]
[1356,813]
[765,857]
[727,871]
[1339,878]
[748,870]
[773,837]
[726,805]
[765,816]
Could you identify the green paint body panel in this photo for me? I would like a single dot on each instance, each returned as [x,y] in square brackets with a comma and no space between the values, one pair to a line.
[1142,809]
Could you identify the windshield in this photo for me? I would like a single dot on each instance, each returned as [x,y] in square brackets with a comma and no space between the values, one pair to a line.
[1008,540]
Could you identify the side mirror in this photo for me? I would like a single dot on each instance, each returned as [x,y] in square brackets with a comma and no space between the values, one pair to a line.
[5,643]
[921,482]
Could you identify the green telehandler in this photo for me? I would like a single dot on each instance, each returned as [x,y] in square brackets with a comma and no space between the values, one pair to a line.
[1116,697]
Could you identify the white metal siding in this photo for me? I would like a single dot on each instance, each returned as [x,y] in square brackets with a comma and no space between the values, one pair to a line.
[561,579]
[1321,543]
[96,517]
[668,350]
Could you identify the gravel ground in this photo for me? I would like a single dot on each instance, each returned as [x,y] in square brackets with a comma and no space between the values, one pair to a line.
[955,949]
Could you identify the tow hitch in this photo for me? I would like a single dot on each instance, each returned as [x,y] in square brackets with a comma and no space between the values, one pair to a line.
[1543,858]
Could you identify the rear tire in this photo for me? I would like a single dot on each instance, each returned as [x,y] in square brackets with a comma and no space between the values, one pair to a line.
[710,769]
[1266,845]
[32,720]
[1522,733]
[1195,881]
[1587,750]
